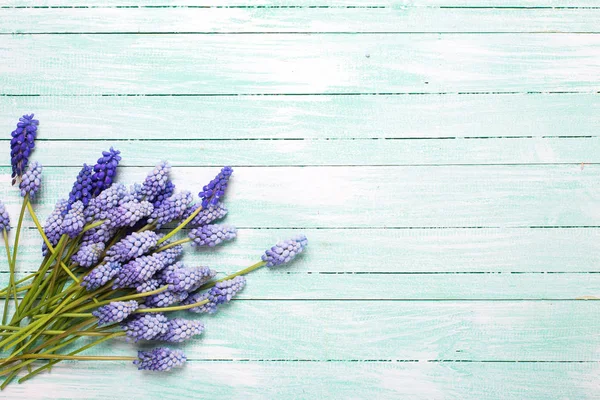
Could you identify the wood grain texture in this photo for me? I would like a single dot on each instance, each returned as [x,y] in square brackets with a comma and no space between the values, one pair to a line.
[306,380]
[318,152]
[362,331]
[380,197]
[271,64]
[306,20]
[395,251]
[440,268]
[305,3]
[322,117]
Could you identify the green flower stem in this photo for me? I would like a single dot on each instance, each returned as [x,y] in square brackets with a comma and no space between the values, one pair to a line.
[123,298]
[25,363]
[36,221]
[21,289]
[17,235]
[242,272]
[11,281]
[50,290]
[92,225]
[24,332]
[57,332]
[167,309]
[50,364]
[68,357]
[177,242]
[180,226]
[28,277]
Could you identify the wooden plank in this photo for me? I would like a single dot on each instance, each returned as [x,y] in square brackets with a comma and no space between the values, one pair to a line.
[335,331]
[247,117]
[383,197]
[287,63]
[305,20]
[306,380]
[393,250]
[316,152]
[303,3]
[280,285]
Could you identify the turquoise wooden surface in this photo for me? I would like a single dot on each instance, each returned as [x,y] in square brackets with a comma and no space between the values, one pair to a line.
[441,155]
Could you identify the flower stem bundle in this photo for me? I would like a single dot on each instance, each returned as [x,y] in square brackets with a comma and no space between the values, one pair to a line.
[109,265]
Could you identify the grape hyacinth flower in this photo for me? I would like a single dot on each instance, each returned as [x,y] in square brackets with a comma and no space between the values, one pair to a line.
[105,170]
[99,234]
[206,216]
[132,246]
[22,144]
[115,312]
[170,255]
[138,270]
[74,221]
[179,330]
[165,299]
[100,276]
[130,213]
[171,209]
[182,279]
[100,207]
[155,183]
[212,235]
[215,190]
[148,286]
[160,359]
[145,327]
[165,194]
[4,218]
[284,251]
[88,255]
[221,293]
[31,180]
[52,227]
[82,188]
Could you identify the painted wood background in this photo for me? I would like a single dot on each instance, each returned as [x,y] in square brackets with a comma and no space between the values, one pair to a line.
[442,156]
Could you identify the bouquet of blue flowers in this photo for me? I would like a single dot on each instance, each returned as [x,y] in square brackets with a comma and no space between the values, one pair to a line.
[109,266]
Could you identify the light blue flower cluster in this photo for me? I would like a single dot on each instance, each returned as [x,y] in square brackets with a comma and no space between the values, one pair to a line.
[132,246]
[99,207]
[206,215]
[100,276]
[129,213]
[160,359]
[165,299]
[74,221]
[212,235]
[285,251]
[115,312]
[138,270]
[179,330]
[31,180]
[221,293]
[148,286]
[180,278]
[4,218]
[147,326]
[52,227]
[88,255]
[155,183]
[171,209]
